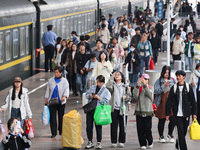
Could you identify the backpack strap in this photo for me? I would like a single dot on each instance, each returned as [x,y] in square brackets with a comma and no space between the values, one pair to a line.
[187,87]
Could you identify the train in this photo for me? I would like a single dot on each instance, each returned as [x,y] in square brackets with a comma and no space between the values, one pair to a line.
[23,22]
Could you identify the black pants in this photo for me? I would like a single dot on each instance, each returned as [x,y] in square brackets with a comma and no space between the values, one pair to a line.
[155,55]
[161,126]
[117,119]
[182,124]
[72,83]
[176,57]
[89,127]
[144,125]
[49,52]
[53,120]
[198,106]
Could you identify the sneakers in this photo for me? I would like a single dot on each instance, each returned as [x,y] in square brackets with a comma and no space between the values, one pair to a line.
[170,139]
[121,145]
[114,145]
[150,146]
[143,147]
[162,139]
[98,145]
[89,145]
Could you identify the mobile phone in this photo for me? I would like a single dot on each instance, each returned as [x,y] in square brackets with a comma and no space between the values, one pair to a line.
[17,127]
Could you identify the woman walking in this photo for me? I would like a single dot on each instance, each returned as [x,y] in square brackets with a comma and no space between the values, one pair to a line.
[120,100]
[57,93]
[161,90]
[18,101]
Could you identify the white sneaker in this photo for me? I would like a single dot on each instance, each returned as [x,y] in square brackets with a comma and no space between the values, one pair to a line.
[143,147]
[170,139]
[114,145]
[162,139]
[98,145]
[121,145]
[89,145]
[150,146]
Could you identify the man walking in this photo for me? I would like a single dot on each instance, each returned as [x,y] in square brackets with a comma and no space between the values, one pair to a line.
[181,100]
[48,42]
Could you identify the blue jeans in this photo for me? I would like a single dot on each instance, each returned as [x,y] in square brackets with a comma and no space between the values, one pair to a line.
[15,113]
[146,61]
[133,79]
[81,83]
[189,62]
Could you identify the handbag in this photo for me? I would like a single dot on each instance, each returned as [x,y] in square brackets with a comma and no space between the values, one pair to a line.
[92,104]
[195,130]
[29,128]
[102,115]
[54,101]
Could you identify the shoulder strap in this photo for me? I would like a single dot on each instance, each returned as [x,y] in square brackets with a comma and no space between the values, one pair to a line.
[173,80]
[187,87]
[89,64]
[101,91]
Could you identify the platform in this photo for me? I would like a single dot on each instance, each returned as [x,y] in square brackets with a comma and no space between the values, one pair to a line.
[42,140]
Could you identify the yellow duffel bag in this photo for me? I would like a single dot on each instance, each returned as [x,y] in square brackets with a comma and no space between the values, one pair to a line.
[71,130]
[195,130]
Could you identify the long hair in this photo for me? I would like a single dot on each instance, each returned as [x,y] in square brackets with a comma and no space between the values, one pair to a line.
[123,78]
[164,69]
[121,33]
[62,47]
[58,40]
[13,91]
[76,47]
[106,59]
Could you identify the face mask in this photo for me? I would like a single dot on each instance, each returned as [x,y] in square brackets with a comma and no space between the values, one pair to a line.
[132,49]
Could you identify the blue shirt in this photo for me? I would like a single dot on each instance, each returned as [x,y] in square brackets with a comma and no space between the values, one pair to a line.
[111,21]
[55,91]
[75,40]
[90,64]
[49,38]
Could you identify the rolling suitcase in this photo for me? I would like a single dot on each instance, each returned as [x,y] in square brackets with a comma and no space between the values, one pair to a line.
[71,130]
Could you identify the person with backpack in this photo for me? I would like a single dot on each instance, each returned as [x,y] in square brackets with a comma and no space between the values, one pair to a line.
[197,50]
[161,91]
[102,95]
[120,100]
[143,93]
[189,51]
[182,102]
[145,52]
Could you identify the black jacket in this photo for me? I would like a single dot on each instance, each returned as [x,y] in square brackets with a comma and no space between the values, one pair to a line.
[188,102]
[136,64]
[155,42]
[159,28]
[87,47]
[64,56]
[81,60]
[18,143]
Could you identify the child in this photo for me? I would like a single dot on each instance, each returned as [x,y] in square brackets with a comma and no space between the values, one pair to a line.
[144,111]
[16,138]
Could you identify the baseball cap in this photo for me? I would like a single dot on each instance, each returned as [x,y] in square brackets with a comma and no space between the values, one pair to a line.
[146,76]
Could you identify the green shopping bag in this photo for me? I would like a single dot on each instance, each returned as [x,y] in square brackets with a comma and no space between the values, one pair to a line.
[102,115]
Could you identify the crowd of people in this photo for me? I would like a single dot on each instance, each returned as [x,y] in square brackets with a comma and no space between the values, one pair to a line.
[124,45]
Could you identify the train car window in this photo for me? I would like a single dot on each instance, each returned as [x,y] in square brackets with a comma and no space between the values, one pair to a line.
[68,27]
[22,41]
[63,28]
[15,43]
[86,23]
[42,32]
[27,40]
[1,47]
[92,21]
[79,25]
[59,27]
[72,25]
[76,24]
[8,46]
[54,26]
[89,22]
[83,24]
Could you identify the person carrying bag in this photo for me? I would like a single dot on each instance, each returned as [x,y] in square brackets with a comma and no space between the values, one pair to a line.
[101,94]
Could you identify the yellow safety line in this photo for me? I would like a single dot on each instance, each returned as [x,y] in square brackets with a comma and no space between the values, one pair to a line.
[15,62]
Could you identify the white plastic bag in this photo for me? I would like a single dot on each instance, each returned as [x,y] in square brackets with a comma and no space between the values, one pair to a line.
[45,115]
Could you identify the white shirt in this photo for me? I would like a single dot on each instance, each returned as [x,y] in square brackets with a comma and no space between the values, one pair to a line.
[189,50]
[73,54]
[17,102]
[180,106]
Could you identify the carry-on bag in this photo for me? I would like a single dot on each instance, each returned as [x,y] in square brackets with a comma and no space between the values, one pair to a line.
[45,115]
[195,130]
[71,130]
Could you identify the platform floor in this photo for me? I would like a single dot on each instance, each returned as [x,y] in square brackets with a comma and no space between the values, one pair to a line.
[42,140]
